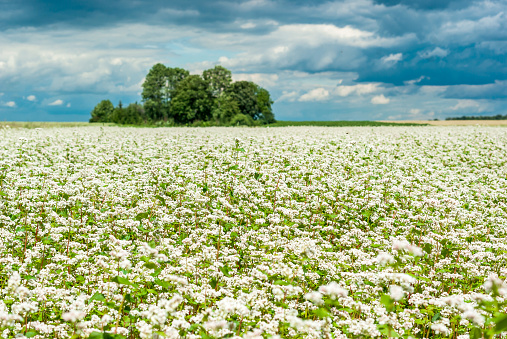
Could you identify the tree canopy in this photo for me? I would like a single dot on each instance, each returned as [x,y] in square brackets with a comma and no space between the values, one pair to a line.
[173,96]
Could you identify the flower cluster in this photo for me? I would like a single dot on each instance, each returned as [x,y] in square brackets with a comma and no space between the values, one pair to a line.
[253,233]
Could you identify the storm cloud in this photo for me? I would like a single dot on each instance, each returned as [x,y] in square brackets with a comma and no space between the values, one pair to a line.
[392,58]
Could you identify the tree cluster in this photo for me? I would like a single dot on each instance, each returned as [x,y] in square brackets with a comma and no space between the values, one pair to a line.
[174,96]
[489,117]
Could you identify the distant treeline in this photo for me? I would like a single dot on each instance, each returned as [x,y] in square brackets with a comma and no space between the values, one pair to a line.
[491,117]
[171,96]
[340,123]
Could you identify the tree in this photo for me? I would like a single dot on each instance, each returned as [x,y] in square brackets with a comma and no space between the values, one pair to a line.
[244,93]
[242,120]
[225,108]
[219,79]
[154,92]
[192,100]
[158,89]
[175,95]
[102,112]
[264,103]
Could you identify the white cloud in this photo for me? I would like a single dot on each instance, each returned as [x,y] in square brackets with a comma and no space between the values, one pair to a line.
[416,81]
[288,96]
[31,98]
[380,100]
[488,27]
[98,60]
[248,25]
[437,52]
[358,89]
[314,47]
[415,111]
[11,104]
[262,79]
[392,58]
[57,102]
[317,94]
[179,13]
[68,105]
[466,104]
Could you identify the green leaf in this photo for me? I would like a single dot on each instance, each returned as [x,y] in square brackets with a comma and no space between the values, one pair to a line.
[121,280]
[162,200]
[501,324]
[387,302]
[162,283]
[388,331]
[228,227]
[97,296]
[150,265]
[281,282]
[96,335]
[193,327]
[142,216]
[30,334]
[475,333]
[436,317]
[225,270]
[213,282]
[427,248]
[322,313]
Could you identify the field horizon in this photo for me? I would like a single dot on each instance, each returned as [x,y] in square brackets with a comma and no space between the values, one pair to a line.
[283,123]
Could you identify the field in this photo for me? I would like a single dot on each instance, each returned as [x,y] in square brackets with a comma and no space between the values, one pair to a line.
[345,123]
[294,232]
[452,122]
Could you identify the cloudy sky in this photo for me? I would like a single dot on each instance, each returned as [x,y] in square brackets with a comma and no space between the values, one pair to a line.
[321,60]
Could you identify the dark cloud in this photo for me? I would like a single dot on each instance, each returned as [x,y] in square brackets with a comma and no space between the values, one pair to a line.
[496,90]
[426,4]
[85,49]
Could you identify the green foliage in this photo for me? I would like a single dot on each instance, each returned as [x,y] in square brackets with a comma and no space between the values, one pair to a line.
[244,93]
[486,117]
[102,112]
[264,103]
[171,97]
[219,79]
[134,114]
[225,108]
[158,90]
[192,100]
[242,120]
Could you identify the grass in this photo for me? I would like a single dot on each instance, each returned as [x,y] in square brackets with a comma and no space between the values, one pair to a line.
[41,124]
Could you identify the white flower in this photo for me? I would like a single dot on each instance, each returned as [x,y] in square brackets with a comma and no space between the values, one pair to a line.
[333,290]
[216,325]
[384,258]
[493,282]
[315,297]
[400,245]
[440,329]
[396,292]
[73,315]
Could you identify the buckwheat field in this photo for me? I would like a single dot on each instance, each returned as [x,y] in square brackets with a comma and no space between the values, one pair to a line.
[300,232]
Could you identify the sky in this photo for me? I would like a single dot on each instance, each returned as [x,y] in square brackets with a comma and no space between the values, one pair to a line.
[320,60]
